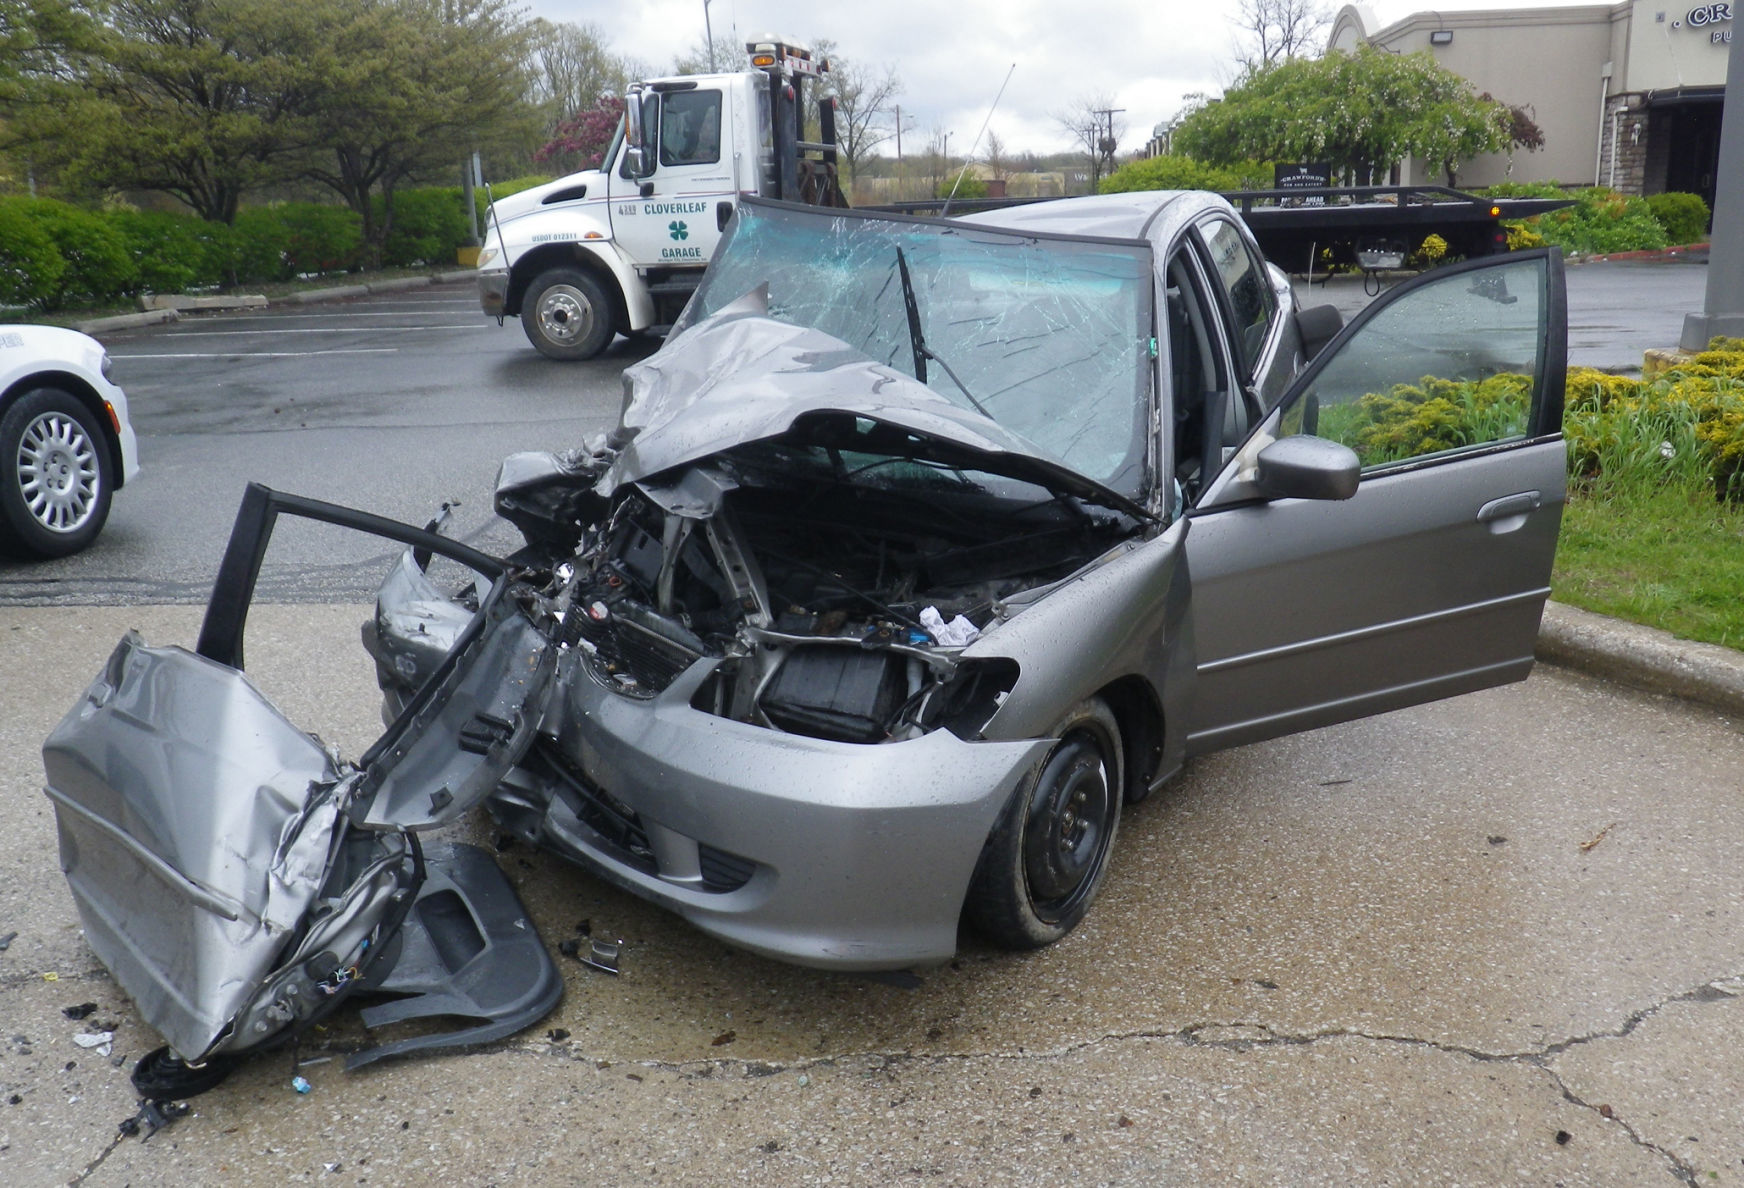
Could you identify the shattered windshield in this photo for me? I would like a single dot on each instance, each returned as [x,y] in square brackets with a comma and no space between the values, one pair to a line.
[1047,336]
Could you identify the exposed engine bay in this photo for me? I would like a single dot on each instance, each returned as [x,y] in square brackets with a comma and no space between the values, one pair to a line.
[837,587]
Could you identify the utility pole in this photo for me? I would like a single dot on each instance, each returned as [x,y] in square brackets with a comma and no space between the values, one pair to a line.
[709,31]
[1724,309]
[1105,142]
[899,177]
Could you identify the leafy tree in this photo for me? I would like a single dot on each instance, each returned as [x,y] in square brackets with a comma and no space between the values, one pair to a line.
[197,98]
[410,86]
[1363,112]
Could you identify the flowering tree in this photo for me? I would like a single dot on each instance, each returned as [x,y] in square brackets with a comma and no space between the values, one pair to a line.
[1363,112]
[580,141]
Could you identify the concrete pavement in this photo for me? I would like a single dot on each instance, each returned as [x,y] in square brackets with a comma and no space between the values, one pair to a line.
[1495,939]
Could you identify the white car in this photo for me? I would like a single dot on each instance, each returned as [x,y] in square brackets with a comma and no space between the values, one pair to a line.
[65,442]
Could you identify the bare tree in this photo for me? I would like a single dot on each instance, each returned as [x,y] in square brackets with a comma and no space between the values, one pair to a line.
[863,97]
[571,66]
[996,155]
[1096,126]
[1273,31]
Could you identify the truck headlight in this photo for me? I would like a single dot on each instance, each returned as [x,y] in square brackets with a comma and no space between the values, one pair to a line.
[486,255]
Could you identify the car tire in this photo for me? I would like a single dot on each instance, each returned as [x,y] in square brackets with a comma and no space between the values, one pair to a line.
[56,479]
[1047,855]
[566,315]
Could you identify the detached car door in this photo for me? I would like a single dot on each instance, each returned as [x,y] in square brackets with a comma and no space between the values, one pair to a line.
[1429,581]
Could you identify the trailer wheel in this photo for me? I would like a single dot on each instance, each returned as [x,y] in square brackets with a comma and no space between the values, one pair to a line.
[566,315]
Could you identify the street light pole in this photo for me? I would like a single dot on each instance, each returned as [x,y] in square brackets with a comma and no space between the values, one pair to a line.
[709,30]
[1724,309]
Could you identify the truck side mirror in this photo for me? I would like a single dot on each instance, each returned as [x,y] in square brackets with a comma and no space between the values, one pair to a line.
[636,164]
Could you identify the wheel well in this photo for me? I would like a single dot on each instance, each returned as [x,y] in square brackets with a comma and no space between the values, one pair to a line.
[1140,717]
[537,261]
[76,387]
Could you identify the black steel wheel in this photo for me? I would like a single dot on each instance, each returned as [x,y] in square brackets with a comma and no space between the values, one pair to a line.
[567,315]
[1045,860]
[55,475]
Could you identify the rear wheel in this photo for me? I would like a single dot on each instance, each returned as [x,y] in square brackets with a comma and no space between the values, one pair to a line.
[566,315]
[1045,860]
[55,476]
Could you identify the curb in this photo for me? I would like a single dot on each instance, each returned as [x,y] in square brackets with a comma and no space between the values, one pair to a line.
[126,321]
[1643,657]
[1682,251]
[176,301]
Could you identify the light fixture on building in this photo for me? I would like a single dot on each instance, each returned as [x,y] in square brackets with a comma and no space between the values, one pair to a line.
[1441,37]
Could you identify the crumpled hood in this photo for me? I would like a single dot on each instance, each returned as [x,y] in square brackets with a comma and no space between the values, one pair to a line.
[741,377]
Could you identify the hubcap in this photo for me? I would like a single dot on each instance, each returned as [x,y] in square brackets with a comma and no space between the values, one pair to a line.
[565,315]
[57,472]
[1066,830]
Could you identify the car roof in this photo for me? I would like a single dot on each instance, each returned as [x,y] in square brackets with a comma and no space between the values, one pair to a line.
[1141,214]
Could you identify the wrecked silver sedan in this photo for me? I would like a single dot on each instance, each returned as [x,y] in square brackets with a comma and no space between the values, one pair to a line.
[922,547]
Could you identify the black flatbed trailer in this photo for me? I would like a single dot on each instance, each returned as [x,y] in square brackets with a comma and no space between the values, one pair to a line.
[1366,226]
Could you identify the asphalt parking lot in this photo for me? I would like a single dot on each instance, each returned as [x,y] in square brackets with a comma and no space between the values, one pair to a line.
[1498,939]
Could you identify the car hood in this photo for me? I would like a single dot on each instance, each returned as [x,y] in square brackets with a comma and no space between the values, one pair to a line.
[741,377]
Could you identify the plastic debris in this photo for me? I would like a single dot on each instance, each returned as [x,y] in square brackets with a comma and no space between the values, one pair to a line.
[83,1010]
[603,956]
[6,941]
[301,1084]
[152,1117]
[100,1042]
[958,633]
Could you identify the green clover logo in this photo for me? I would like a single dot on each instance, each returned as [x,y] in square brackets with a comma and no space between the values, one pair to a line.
[678,229]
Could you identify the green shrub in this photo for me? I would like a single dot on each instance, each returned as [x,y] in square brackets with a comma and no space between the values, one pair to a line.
[98,267]
[1684,216]
[970,188]
[429,225]
[320,239]
[290,239]
[255,248]
[1601,220]
[30,263]
[1184,173]
[165,248]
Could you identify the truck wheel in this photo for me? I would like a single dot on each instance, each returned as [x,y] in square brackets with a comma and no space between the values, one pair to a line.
[566,315]
[54,475]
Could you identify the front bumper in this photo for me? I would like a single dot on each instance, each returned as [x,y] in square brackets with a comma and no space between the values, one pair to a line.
[493,292]
[858,856]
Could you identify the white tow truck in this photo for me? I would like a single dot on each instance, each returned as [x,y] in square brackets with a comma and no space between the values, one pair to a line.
[618,250]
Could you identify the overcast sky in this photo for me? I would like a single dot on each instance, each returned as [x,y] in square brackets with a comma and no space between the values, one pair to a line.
[952,55]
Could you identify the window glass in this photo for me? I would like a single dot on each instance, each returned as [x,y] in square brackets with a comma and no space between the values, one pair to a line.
[1051,338]
[690,130]
[1454,365]
[1250,293]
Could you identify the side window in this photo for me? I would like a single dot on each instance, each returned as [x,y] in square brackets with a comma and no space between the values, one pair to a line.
[1457,364]
[690,132]
[1244,278]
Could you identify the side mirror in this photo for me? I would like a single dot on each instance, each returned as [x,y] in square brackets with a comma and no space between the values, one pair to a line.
[1304,467]
[1318,326]
[636,164]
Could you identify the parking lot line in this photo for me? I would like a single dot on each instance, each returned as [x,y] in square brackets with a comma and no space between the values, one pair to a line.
[261,354]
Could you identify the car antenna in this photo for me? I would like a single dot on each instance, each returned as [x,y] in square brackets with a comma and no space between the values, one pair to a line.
[977,144]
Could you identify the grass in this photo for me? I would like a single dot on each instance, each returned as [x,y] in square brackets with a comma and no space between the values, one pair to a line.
[1671,558]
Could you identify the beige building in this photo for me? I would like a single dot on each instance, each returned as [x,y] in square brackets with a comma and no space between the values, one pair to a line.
[1627,95]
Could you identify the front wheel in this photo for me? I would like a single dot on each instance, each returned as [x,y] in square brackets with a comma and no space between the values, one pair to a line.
[566,315]
[1045,860]
[55,475]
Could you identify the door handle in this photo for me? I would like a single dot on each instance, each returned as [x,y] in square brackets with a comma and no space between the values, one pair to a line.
[1498,512]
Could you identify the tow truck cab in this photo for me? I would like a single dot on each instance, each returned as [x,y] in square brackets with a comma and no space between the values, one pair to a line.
[620,249]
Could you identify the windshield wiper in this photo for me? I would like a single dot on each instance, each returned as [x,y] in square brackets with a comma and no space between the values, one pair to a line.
[917,340]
